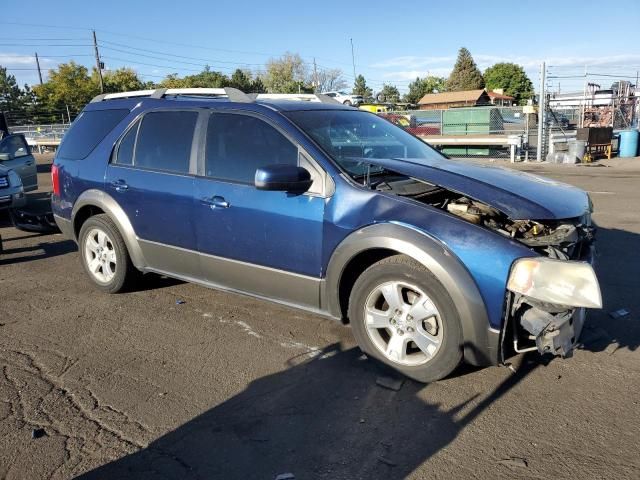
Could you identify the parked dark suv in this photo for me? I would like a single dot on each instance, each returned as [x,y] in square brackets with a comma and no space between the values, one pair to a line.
[332,210]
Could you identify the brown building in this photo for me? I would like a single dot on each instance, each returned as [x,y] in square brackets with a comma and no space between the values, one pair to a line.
[499,99]
[465,98]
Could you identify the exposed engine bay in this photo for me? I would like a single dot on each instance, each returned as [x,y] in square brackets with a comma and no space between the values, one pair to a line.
[562,240]
[533,325]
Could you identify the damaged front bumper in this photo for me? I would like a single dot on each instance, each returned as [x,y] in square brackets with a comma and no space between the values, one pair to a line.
[547,301]
[554,333]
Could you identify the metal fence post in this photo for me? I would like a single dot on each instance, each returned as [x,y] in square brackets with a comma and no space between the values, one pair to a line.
[541,109]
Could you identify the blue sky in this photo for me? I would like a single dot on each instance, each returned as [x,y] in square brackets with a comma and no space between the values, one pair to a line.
[394,41]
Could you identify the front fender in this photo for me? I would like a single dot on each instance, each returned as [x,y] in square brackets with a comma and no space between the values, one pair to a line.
[481,342]
[108,205]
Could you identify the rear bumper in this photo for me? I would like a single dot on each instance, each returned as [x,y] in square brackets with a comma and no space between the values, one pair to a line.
[65,226]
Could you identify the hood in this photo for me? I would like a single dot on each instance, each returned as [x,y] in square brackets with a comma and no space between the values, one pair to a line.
[519,195]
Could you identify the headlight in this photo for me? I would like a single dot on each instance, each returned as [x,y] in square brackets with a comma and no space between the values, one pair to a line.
[14,179]
[560,282]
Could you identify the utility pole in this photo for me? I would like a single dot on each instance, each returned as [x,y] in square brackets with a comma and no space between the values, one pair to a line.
[353,60]
[98,62]
[541,108]
[38,65]
[315,76]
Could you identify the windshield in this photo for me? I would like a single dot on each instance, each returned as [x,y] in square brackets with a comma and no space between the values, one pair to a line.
[350,137]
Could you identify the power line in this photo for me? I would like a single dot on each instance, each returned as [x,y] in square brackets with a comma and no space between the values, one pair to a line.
[102,42]
[44,45]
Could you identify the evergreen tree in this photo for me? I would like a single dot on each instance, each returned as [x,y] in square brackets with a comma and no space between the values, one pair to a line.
[421,86]
[360,88]
[465,74]
[389,93]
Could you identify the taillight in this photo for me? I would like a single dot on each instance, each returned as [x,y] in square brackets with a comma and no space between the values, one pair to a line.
[55,179]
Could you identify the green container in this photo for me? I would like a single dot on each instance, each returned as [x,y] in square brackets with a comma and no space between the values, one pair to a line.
[472,121]
[466,151]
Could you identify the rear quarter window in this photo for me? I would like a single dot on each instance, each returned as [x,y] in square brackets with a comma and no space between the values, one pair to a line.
[87,132]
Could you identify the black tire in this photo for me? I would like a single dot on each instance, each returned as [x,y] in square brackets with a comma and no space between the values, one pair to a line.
[347,103]
[125,271]
[405,269]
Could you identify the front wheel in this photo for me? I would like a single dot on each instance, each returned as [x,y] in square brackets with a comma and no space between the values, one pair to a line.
[104,255]
[347,103]
[403,316]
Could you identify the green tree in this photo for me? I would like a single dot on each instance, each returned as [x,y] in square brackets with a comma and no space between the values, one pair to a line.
[173,81]
[512,79]
[465,74]
[389,93]
[11,96]
[121,80]
[421,86]
[241,80]
[360,88]
[257,86]
[286,74]
[68,86]
[207,79]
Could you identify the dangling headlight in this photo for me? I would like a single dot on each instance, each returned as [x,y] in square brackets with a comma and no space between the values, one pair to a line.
[560,282]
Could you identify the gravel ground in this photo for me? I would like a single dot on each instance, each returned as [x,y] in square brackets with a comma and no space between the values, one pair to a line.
[223,386]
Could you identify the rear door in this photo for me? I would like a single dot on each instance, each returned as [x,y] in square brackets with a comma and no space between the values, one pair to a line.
[16,154]
[151,178]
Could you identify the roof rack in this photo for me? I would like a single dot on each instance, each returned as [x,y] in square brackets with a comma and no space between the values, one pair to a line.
[233,94]
[305,97]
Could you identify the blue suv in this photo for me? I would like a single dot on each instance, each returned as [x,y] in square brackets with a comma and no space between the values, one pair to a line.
[337,211]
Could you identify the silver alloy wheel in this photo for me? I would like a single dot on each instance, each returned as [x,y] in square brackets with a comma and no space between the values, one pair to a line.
[100,255]
[403,323]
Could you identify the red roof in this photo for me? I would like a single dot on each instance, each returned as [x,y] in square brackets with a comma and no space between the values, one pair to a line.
[499,96]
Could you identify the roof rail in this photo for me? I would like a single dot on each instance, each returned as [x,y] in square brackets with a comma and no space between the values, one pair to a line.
[232,94]
[306,97]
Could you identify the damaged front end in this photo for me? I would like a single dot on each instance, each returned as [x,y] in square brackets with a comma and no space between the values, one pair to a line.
[546,303]
[547,292]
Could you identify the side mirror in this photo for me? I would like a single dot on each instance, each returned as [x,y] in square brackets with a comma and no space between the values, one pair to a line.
[283,178]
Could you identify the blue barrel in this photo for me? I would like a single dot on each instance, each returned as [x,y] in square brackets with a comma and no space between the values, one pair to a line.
[629,143]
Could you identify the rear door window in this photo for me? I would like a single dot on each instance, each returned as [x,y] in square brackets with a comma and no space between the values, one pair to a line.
[125,150]
[237,145]
[164,141]
[87,132]
[15,146]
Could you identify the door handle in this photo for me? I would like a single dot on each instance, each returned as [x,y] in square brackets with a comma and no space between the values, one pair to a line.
[119,185]
[215,202]
[29,163]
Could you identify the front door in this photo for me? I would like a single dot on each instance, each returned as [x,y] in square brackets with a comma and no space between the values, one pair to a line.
[150,176]
[261,242]
[16,154]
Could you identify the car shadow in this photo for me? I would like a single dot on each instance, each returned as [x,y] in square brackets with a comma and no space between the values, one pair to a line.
[324,417]
[38,251]
[44,167]
[617,267]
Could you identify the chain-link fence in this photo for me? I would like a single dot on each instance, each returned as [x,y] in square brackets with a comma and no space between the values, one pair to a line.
[590,98]
[51,130]
[483,131]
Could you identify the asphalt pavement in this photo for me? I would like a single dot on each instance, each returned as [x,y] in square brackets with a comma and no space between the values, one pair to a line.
[175,380]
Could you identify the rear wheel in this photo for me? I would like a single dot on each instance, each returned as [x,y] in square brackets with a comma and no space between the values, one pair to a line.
[104,255]
[403,316]
[347,103]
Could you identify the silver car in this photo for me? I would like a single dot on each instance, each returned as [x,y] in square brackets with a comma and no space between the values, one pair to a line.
[16,155]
